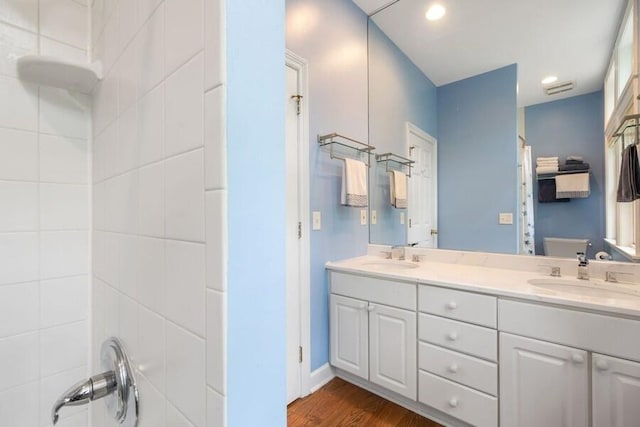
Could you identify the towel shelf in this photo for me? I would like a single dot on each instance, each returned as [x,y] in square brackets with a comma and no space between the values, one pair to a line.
[628,130]
[334,139]
[543,176]
[394,159]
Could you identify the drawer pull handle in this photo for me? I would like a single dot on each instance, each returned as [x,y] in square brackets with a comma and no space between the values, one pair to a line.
[452,336]
[453,368]
[577,358]
[602,365]
[453,402]
[371,307]
[452,305]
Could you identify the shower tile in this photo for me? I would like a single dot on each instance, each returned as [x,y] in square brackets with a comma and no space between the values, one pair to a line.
[64,20]
[19,255]
[216,341]
[18,308]
[184,110]
[151,341]
[63,301]
[175,418]
[127,75]
[64,207]
[151,47]
[63,253]
[63,160]
[22,111]
[13,403]
[185,27]
[216,210]
[21,13]
[146,9]
[18,155]
[54,48]
[18,206]
[127,141]
[63,348]
[154,403]
[151,288]
[216,409]
[127,21]
[151,201]
[14,43]
[214,43]
[151,126]
[184,197]
[64,113]
[19,362]
[185,276]
[215,143]
[186,374]
[128,327]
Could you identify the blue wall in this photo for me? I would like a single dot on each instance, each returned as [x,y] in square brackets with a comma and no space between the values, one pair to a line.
[256,371]
[477,141]
[572,126]
[398,92]
[332,36]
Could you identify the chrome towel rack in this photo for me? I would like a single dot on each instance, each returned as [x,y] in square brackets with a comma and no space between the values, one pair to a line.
[334,139]
[392,158]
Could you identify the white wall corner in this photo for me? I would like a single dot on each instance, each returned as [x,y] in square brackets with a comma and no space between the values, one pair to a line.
[321,376]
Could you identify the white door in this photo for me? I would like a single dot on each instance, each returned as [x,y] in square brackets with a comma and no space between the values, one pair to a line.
[422,222]
[542,384]
[616,392]
[293,244]
[392,351]
[349,332]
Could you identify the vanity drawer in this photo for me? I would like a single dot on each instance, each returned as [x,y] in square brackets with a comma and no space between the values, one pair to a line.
[459,305]
[470,371]
[459,336]
[589,331]
[461,402]
[387,292]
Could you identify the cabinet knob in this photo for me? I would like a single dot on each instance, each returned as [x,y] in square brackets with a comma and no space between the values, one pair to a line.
[453,368]
[577,358]
[452,305]
[371,307]
[453,402]
[602,365]
[452,336]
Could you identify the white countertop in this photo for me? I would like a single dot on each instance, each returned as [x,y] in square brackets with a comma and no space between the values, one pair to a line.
[495,281]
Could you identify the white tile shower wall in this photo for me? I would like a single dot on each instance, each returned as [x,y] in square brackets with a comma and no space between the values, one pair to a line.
[159,203]
[44,217]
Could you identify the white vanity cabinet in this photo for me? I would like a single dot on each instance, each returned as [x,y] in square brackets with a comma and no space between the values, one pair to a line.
[616,392]
[370,338]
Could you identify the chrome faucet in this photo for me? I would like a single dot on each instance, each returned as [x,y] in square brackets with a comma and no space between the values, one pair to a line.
[402,249]
[583,266]
[96,387]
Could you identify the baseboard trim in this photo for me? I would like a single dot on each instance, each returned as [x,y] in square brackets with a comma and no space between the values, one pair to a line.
[321,376]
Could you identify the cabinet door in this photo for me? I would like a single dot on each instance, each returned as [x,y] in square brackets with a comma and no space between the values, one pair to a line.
[542,384]
[393,344]
[349,335]
[616,392]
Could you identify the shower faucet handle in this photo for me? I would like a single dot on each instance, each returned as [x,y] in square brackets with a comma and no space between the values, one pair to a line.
[96,387]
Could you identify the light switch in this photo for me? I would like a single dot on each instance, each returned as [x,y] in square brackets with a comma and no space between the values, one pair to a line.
[506,218]
[401,217]
[317,221]
[374,217]
[363,217]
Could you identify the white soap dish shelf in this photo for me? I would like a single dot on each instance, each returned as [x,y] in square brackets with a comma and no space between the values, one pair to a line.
[58,72]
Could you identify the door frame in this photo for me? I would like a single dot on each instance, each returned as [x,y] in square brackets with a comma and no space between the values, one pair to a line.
[299,64]
[410,128]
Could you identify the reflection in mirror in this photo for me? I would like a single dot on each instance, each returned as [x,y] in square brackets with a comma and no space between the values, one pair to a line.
[469,88]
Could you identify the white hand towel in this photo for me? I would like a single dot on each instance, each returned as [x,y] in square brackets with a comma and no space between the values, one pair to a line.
[572,186]
[546,159]
[354,184]
[398,189]
[546,169]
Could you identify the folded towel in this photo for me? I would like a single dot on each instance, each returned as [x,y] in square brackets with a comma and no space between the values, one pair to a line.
[629,181]
[546,164]
[575,158]
[574,167]
[574,185]
[546,159]
[546,169]
[574,162]
[547,191]
[398,189]
[354,184]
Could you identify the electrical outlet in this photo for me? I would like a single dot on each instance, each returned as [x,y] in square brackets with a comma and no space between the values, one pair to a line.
[363,217]
[402,218]
[374,217]
[505,218]
[317,220]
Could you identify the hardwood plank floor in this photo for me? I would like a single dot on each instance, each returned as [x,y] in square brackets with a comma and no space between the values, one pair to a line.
[340,403]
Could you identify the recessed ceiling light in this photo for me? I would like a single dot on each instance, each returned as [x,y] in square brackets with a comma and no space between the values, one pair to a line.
[435,12]
[548,80]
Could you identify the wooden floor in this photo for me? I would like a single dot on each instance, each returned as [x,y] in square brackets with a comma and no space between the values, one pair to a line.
[340,403]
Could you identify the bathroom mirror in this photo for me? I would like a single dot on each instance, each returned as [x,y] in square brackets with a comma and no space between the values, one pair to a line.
[471,83]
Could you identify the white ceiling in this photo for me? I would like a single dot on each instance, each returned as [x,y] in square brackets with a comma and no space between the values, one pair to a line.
[571,39]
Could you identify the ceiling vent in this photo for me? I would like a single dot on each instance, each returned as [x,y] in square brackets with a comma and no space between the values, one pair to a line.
[556,88]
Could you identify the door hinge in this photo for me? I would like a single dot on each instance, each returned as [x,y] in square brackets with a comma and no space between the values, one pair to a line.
[298,99]
[409,222]
[300,354]
[299,230]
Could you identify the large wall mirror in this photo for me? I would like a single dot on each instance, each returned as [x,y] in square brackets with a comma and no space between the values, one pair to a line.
[463,98]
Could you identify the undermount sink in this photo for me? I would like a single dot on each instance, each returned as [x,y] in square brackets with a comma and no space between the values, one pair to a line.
[389,264]
[583,288]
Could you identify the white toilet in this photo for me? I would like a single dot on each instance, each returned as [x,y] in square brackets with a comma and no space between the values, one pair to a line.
[564,248]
